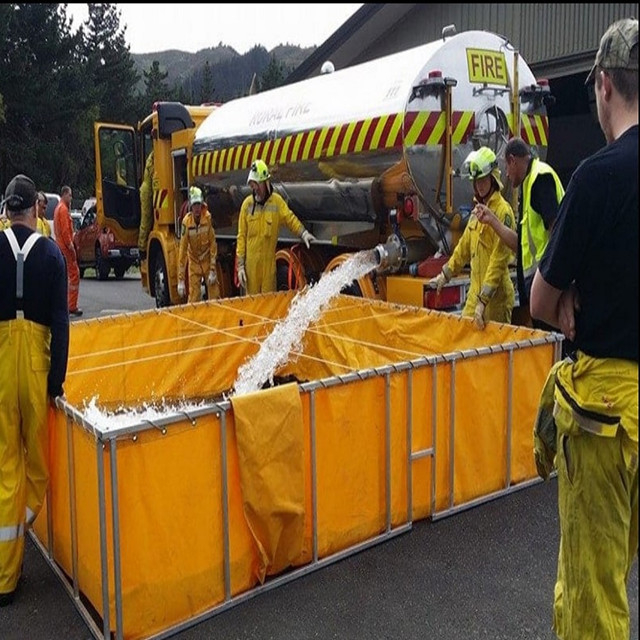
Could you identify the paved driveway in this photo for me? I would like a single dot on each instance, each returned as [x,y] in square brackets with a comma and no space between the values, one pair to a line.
[486,573]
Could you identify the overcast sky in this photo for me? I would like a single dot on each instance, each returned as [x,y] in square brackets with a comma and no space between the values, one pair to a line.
[191,27]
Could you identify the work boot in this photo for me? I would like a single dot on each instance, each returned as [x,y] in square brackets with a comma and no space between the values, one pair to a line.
[76,312]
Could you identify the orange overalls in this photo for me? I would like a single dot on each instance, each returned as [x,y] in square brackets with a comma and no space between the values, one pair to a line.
[63,231]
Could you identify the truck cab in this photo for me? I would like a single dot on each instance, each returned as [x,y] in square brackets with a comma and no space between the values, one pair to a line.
[121,154]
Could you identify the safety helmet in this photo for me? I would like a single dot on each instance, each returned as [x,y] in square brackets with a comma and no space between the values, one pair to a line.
[195,196]
[259,171]
[480,163]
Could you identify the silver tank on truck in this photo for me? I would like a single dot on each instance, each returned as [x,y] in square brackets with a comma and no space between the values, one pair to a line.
[347,148]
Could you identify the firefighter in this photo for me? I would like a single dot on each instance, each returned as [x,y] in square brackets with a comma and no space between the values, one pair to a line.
[587,286]
[261,216]
[4,219]
[491,294]
[43,224]
[63,232]
[146,206]
[542,192]
[198,250]
[34,346]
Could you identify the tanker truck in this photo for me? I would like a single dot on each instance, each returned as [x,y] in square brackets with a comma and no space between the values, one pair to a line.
[367,157]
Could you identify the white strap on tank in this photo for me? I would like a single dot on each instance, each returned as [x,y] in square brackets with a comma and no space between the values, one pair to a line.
[20,254]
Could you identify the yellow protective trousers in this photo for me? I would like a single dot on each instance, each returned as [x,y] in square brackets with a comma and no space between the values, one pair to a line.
[596,413]
[199,271]
[24,471]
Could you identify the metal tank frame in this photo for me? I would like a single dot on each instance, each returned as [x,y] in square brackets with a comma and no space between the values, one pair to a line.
[106,444]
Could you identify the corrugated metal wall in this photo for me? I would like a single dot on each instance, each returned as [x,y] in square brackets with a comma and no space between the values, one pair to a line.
[555,39]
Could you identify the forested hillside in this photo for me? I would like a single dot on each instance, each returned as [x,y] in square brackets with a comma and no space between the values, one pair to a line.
[231,72]
[56,82]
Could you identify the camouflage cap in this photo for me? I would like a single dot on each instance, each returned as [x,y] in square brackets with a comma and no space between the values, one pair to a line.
[615,47]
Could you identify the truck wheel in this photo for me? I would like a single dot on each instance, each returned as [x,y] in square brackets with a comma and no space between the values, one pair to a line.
[161,282]
[119,272]
[102,266]
[81,272]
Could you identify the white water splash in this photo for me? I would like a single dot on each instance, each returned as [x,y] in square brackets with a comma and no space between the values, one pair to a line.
[306,307]
[104,421]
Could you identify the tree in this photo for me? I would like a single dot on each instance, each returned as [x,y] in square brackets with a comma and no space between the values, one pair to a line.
[273,75]
[207,90]
[155,86]
[110,64]
[46,95]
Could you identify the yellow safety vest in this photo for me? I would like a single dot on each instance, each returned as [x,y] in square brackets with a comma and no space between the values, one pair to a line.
[534,236]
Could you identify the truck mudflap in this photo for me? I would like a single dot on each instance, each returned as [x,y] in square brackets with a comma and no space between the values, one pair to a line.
[391,414]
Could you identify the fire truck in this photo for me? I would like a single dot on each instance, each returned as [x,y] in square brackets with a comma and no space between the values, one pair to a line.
[367,157]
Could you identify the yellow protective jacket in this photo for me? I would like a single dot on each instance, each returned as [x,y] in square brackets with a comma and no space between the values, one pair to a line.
[258,228]
[489,257]
[535,236]
[197,247]
[146,203]
[42,227]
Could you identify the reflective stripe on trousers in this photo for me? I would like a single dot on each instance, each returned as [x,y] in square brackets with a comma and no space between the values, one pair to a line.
[24,367]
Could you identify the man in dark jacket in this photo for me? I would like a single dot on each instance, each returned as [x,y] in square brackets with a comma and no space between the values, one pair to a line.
[34,346]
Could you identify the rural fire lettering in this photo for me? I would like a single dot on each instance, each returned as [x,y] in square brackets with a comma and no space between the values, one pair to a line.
[263,117]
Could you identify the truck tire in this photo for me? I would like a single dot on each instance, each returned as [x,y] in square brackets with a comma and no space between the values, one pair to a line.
[102,266]
[161,282]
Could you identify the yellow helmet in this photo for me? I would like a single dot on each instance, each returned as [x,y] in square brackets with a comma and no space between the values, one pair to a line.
[480,163]
[195,195]
[259,172]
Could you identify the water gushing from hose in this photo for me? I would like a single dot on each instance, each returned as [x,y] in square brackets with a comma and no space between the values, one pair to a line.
[306,307]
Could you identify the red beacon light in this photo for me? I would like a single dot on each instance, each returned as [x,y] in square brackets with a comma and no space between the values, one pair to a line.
[408,206]
[429,86]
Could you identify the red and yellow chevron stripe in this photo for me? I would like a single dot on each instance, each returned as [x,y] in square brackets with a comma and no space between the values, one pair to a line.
[534,129]
[383,132]
[160,199]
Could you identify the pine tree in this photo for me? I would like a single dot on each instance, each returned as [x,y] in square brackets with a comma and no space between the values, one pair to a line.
[46,94]
[110,64]
[155,86]
[272,76]
[207,90]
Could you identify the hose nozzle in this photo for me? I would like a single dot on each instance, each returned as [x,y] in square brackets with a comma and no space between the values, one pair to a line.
[391,255]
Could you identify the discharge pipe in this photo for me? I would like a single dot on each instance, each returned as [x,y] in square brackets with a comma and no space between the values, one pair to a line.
[396,252]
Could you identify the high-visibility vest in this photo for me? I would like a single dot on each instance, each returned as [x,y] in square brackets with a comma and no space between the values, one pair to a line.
[535,237]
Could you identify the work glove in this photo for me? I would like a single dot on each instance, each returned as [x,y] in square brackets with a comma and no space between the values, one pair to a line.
[439,281]
[308,238]
[478,314]
[181,289]
[212,278]
[242,276]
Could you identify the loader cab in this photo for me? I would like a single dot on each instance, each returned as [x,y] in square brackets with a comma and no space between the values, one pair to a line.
[117,181]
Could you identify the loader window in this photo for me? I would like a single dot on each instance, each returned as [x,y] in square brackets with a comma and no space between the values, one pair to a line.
[119,177]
